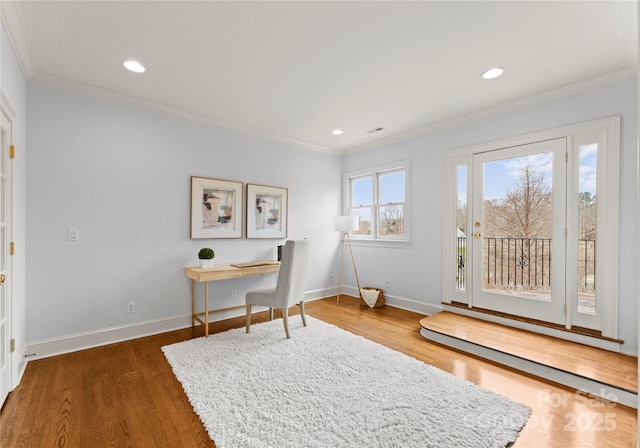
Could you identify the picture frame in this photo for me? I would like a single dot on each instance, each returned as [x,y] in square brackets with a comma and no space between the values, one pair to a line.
[267,211]
[216,208]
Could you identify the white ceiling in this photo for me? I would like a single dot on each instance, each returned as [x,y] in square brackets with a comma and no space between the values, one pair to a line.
[295,70]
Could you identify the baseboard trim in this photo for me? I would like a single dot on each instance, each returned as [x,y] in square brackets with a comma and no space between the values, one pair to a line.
[411,305]
[90,339]
[81,341]
[395,301]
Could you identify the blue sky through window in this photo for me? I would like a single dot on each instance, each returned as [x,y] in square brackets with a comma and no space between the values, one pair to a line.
[502,174]
[363,191]
[392,188]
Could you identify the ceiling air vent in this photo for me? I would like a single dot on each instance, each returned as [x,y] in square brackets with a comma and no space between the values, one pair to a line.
[373,130]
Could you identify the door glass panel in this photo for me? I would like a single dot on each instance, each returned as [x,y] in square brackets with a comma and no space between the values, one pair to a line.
[517,240]
[587,220]
[461,229]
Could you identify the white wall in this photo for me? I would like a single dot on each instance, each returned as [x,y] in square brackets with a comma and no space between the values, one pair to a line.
[415,271]
[12,86]
[122,177]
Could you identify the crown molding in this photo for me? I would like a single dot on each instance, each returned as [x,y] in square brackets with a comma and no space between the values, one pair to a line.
[509,106]
[133,101]
[80,88]
[12,23]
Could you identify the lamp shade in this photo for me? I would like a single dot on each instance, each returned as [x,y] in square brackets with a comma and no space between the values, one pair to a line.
[347,223]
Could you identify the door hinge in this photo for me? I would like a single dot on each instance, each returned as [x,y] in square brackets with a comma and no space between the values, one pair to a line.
[12,151]
[564,309]
[565,233]
[12,345]
[12,248]
[566,157]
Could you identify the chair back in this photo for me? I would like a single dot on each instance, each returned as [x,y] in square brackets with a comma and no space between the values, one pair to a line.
[292,277]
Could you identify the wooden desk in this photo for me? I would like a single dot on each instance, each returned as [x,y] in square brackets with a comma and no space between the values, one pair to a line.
[221,272]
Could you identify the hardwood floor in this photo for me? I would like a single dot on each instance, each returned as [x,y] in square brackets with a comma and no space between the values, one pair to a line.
[125,394]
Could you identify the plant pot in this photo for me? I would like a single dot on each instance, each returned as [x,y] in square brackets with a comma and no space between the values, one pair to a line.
[206,263]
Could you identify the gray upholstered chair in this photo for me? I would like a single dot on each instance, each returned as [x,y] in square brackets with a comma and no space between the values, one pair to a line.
[290,287]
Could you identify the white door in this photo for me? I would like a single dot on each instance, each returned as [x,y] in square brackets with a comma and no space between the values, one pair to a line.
[518,230]
[5,274]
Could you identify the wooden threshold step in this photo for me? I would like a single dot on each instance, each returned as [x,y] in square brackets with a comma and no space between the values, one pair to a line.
[599,372]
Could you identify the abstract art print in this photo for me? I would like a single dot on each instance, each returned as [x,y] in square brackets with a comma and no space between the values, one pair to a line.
[266,211]
[216,208]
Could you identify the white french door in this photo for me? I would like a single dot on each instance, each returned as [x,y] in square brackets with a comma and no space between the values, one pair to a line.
[5,238]
[518,227]
[531,226]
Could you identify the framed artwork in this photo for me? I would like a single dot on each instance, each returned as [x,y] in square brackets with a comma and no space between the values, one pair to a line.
[266,211]
[216,208]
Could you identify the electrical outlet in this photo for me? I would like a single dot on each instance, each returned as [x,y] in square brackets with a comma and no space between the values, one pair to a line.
[131,307]
[233,292]
[387,282]
[74,235]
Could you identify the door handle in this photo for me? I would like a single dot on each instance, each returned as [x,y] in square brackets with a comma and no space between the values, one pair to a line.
[2,278]
[477,235]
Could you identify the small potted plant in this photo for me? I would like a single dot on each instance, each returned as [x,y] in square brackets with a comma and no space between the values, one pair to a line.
[206,257]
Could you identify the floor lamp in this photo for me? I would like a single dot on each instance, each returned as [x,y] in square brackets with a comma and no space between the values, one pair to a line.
[346,224]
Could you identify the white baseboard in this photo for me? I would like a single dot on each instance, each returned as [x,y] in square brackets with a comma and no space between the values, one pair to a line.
[411,305]
[81,341]
[397,302]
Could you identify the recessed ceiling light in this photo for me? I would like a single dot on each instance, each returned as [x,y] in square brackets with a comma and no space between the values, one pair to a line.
[134,66]
[337,132]
[493,73]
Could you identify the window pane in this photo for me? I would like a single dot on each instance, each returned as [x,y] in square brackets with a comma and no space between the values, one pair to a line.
[365,220]
[392,187]
[391,221]
[362,191]
[461,229]
[587,217]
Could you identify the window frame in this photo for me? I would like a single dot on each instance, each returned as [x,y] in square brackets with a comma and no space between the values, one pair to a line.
[375,173]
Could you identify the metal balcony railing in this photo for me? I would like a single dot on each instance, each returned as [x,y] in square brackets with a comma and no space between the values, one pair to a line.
[524,264]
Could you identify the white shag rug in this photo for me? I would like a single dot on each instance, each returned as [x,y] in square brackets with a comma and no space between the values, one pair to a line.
[326,387]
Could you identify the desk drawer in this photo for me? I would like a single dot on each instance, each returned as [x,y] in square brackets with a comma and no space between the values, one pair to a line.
[260,270]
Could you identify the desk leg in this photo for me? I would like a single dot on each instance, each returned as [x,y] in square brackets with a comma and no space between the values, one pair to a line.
[193,303]
[206,309]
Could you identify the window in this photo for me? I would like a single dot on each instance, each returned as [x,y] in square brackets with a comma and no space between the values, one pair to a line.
[379,197]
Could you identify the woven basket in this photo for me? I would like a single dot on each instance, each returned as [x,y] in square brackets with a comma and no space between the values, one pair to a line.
[379,301]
